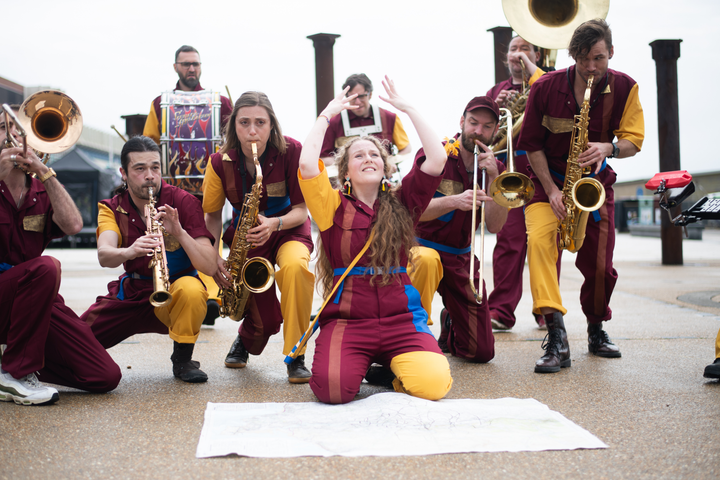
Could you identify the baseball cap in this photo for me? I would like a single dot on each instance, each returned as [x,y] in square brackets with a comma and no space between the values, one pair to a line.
[483,102]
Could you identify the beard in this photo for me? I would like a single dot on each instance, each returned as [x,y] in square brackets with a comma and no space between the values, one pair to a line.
[468,141]
[141,191]
[191,82]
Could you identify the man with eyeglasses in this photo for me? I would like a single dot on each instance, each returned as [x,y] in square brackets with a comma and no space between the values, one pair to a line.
[367,119]
[188,67]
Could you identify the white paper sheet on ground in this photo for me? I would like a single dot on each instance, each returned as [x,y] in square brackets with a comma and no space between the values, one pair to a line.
[387,424]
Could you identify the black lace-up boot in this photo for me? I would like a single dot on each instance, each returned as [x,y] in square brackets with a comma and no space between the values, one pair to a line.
[445,324]
[599,343]
[556,346]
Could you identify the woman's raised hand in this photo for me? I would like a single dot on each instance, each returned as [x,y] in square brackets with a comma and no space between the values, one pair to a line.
[394,97]
[339,103]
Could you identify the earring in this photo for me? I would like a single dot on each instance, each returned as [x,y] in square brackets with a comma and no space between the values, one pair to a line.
[385,184]
[347,186]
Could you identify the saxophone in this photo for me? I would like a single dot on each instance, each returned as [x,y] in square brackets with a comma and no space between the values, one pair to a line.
[580,195]
[254,275]
[158,263]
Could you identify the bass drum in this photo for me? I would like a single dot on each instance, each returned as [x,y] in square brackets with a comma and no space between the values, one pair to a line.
[190,133]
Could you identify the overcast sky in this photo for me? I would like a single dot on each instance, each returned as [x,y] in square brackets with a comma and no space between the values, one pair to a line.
[113,58]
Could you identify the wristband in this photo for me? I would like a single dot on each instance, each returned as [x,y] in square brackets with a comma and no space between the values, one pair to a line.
[279,224]
[48,174]
[326,118]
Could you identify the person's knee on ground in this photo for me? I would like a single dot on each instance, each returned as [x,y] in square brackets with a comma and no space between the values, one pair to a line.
[422,374]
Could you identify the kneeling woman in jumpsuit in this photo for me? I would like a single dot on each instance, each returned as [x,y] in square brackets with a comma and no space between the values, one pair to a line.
[375,315]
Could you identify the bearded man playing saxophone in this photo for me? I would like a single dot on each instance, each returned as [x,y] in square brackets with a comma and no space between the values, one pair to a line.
[615,112]
[122,240]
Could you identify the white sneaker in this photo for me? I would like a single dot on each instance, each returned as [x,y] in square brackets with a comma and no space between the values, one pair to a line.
[26,391]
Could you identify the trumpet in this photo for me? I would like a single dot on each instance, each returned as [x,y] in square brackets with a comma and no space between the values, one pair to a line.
[478,295]
[511,189]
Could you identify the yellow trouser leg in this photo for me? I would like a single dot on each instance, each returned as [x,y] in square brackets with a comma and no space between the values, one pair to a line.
[542,256]
[185,313]
[717,345]
[425,275]
[296,283]
[422,374]
[210,284]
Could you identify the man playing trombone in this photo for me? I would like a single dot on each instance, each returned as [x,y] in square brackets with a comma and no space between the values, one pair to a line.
[38,332]
[442,261]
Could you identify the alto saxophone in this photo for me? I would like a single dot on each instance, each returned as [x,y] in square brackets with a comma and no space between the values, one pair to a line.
[158,263]
[254,275]
[580,195]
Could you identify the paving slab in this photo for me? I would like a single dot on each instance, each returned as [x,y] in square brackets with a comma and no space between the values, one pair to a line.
[653,408]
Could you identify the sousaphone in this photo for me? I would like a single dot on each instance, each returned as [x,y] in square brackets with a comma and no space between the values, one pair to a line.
[549,24]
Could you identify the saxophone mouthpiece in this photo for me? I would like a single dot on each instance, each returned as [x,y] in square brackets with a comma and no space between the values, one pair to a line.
[253,145]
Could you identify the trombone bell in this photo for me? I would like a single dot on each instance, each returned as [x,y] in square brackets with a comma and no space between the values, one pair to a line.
[52,120]
[512,190]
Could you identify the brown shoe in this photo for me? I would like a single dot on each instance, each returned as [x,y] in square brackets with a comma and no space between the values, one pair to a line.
[297,371]
[556,346]
[599,343]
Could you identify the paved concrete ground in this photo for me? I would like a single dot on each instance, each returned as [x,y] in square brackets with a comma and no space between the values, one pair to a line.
[654,409]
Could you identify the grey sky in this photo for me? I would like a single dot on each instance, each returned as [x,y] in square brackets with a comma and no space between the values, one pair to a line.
[113,58]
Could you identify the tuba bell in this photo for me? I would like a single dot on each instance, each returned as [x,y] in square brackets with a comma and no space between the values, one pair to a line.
[549,24]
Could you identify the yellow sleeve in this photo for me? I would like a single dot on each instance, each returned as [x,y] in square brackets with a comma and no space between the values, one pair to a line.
[106,221]
[213,193]
[321,199]
[152,128]
[538,73]
[632,123]
[400,138]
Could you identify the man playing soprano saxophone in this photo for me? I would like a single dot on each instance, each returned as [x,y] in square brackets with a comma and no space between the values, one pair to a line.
[615,112]
[122,239]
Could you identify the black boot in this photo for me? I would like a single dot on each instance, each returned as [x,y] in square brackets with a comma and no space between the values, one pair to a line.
[380,376]
[237,357]
[445,324]
[556,346]
[297,371]
[184,367]
[599,343]
[713,370]
[213,312]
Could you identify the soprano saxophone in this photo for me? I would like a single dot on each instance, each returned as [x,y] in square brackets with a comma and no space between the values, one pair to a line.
[580,195]
[249,275]
[158,263]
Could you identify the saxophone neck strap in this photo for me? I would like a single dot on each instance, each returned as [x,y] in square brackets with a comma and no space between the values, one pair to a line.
[316,321]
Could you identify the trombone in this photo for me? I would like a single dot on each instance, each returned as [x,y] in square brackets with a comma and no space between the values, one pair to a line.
[49,121]
[511,189]
[478,295]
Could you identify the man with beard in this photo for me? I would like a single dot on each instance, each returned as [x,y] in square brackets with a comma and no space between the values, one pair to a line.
[511,241]
[188,67]
[442,261]
[123,240]
[616,130]
[38,332]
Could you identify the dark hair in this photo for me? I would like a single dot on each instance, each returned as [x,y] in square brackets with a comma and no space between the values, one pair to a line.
[358,78]
[185,48]
[253,99]
[138,143]
[587,35]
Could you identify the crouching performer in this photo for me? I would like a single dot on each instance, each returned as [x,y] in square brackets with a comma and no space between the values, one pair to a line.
[375,314]
[122,239]
[38,332]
